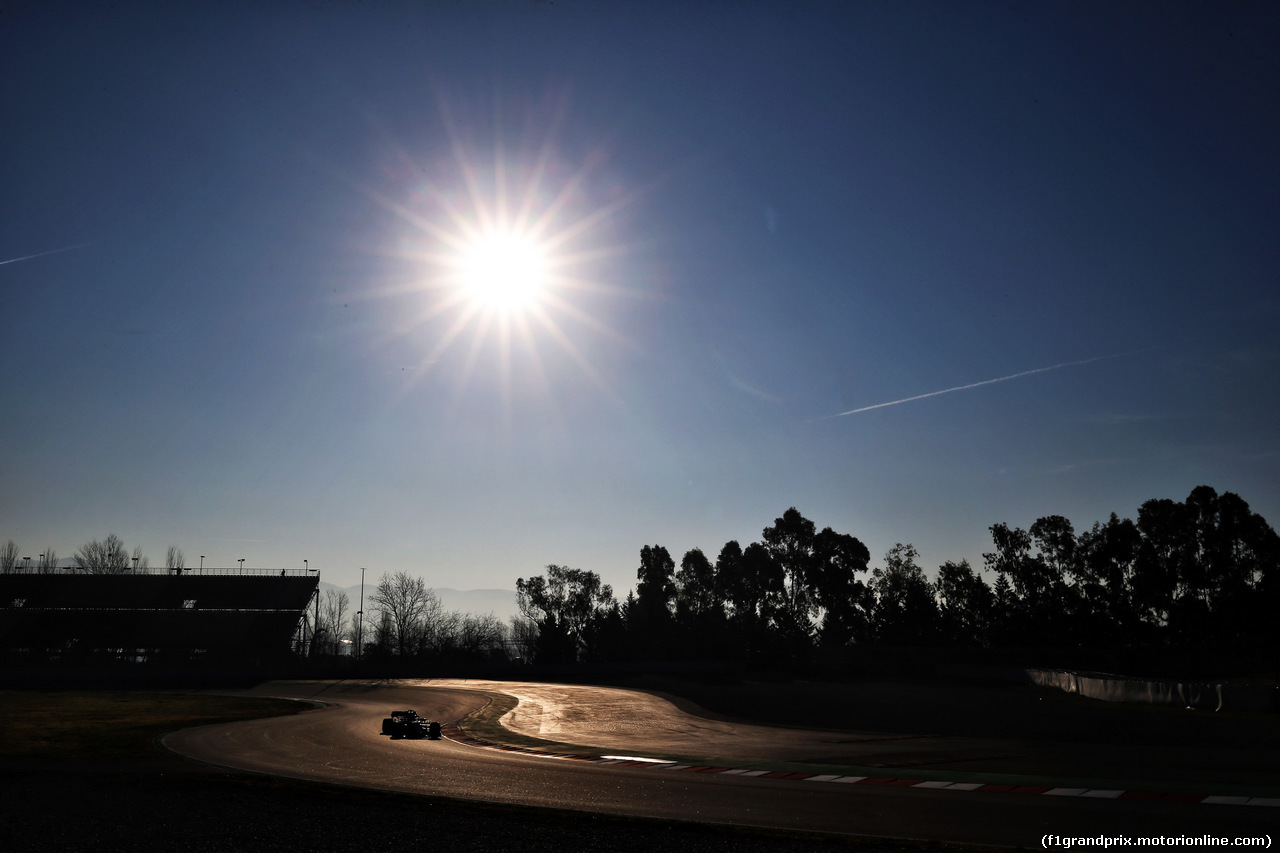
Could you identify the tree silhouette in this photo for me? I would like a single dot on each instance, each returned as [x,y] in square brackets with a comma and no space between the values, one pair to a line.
[332,624]
[790,544]
[9,556]
[905,610]
[1107,558]
[747,579]
[656,587]
[700,608]
[1199,571]
[479,637]
[402,601]
[650,616]
[966,605]
[845,601]
[105,557]
[566,604]
[696,593]
[1236,550]
[1165,555]
[605,637]
[1040,606]
[1003,629]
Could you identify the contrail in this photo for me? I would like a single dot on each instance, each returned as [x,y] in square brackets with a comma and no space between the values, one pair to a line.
[970,385]
[42,254]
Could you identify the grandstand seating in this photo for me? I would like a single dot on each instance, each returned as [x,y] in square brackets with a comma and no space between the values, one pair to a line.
[66,615]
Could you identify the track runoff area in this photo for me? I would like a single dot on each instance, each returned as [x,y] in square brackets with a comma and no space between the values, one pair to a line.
[633,753]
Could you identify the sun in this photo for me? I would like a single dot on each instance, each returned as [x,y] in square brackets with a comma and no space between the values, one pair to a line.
[508,260]
[509,263]
[503,271]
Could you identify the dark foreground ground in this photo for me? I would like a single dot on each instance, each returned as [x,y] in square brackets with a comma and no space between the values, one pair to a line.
[166,804]
[153,801]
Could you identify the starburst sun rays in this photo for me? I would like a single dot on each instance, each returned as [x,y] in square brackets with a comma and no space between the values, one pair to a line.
[509,255]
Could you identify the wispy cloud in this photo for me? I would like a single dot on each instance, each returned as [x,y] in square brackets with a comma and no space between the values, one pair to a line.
[42,254]
[967,387]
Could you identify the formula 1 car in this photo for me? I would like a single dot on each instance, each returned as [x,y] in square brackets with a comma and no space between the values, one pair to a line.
[407,724]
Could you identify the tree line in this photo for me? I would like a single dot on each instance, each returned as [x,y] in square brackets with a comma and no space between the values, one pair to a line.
[407,622]
[107,556]
[1200,571]
[410,622]
[1204,571]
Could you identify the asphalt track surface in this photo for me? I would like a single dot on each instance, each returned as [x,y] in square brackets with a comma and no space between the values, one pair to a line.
[341,743]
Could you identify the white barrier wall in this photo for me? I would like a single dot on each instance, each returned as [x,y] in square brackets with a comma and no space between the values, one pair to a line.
[1256,698]
[1118,688]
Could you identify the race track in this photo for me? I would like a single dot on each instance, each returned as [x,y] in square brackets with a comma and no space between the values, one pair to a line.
[341,743]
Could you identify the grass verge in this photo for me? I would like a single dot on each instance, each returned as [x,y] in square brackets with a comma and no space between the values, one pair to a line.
[114,724]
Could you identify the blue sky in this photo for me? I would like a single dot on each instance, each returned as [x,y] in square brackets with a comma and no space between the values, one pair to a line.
[226,237]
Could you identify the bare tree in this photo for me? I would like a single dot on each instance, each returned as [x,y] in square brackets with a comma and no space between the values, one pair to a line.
[480,636]
[439,627]
[9,556]
[48,561]
[140,562]
[174,560]
[333,616]
[105,557]
[383,638]
[402,601]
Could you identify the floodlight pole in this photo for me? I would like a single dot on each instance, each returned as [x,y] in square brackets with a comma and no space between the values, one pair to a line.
[360,614]
[202,564]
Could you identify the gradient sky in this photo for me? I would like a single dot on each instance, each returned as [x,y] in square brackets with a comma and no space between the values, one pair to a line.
[222,234]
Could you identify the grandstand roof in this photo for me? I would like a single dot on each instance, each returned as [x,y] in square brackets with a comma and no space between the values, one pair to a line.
[156,612]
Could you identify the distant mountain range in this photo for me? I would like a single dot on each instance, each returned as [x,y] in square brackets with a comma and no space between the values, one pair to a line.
[499,602]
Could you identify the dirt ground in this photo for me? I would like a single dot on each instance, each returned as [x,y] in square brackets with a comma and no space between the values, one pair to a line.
[964,708]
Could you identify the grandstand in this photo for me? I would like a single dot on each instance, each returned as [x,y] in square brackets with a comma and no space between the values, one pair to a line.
[224,615]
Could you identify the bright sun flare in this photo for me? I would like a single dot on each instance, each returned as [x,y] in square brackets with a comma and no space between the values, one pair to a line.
[514,251]
[503,271]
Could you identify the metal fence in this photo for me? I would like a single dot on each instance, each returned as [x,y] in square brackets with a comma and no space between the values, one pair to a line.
[152,570]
